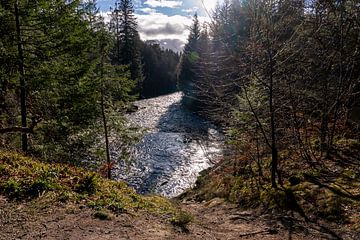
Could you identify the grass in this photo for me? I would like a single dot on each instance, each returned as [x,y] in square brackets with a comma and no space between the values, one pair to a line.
[24,178]
[329,191]
[103,215]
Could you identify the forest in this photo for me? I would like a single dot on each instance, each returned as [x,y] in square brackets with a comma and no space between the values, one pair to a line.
[63,69]
[280,80]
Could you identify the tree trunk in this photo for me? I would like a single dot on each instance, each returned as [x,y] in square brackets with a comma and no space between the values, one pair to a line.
[21,69]
[108,159]
[274,152]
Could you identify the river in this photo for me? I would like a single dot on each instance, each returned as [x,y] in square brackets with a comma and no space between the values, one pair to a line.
[176,147]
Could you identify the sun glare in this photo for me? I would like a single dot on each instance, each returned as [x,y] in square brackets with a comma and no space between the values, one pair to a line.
[209,5]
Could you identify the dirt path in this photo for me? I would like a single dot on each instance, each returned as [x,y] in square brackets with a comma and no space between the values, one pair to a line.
[219,220]
[213,220]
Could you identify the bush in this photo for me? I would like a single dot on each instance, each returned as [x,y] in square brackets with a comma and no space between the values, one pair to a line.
[12,188]
[182,220]
[39,186]
[89,184]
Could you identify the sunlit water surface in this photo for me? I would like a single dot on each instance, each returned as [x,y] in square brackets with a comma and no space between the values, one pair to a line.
[176,147]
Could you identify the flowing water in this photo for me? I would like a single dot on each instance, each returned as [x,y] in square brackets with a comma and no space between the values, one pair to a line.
[176,147]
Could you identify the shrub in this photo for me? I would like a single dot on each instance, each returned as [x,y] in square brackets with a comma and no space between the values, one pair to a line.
[12,188]
[182,220]
[88,184]
[39,186]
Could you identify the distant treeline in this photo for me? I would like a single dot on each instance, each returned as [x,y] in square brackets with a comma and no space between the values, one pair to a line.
[159,70]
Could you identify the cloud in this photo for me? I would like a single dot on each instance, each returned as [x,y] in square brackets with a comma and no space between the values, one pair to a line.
[168,28]
[147,10]
[190,10]
[163,3]
[173,30]
[173,44]
[158,26]
[153,25]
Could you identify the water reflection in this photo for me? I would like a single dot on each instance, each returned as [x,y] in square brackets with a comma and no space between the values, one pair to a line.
[177,146]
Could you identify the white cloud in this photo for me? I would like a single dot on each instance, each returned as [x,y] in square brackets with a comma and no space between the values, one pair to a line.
[147,10]
[163,3]
[190,10]
[159,26]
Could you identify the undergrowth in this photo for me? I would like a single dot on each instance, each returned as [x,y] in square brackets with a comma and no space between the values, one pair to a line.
[329,191]
[25,178]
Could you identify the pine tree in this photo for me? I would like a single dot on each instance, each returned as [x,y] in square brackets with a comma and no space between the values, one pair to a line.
[186,69]
[28,26]
[127,47]
[47,49]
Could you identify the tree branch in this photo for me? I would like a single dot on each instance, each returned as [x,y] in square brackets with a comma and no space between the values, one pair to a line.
[29,129]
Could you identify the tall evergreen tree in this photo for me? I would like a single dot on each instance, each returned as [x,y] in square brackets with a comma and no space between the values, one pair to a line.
[34,29]
[127,47]
[186,69]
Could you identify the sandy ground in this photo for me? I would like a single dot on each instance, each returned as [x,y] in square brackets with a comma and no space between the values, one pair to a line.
[213,220]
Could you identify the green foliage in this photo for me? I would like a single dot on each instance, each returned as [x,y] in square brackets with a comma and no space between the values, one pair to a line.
[182,219]
[12,188]
[193,57]
[63,44]
[88,184]
[126,50]
[30,178]
[159,70]
[186,70]
[39,186]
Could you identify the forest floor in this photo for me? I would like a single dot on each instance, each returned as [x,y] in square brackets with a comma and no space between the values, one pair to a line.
[212,220]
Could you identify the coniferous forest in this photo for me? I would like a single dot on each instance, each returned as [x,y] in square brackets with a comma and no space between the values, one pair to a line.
[281,76]
[65,72]
[279,80]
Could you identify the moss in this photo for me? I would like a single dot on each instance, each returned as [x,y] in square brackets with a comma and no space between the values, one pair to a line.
[273,198]
[4,170]
[345,142]
[30,178]
[331,207]
[64,196]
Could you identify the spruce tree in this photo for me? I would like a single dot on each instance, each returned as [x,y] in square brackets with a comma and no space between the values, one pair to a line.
[46,47]
[186,69]
[127,47]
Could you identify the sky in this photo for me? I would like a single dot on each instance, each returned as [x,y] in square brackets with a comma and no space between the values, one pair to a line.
[167,21]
